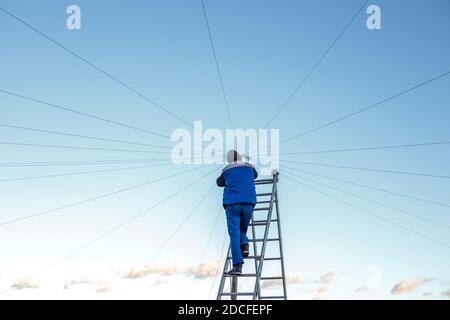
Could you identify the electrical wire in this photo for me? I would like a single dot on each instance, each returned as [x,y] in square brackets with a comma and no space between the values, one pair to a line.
[289,98]
[372,214]
[104,195]
[110,231]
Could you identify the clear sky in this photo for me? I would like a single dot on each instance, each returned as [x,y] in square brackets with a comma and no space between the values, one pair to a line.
[264,49]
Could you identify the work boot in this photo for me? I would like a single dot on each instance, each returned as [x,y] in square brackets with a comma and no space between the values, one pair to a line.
[236,271]
[245,250]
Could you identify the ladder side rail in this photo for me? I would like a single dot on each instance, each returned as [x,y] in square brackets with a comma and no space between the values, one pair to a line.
[233,287]
[255,249]
[266,235]
[255,245]
[280,242]
[263,181]
[222,281]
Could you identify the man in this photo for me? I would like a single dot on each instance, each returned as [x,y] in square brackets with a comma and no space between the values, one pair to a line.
[239,199]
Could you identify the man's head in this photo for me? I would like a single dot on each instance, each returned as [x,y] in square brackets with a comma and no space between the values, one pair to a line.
[233,155]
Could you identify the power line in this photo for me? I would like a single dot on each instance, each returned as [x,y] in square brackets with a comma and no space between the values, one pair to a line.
[371,214]
[370,148]
[92,116]
[83,163]
[221,256]
[75,163]
[207,243]
[316,64]
[217,65]
[172,235]
[374,105]
[374,201]
[82,173]
[22,144]
[96,197]
[112,230]
[102,71]
[369,169]
[77,147]
[187,217]
[392,97]
[373,188]
[82,136]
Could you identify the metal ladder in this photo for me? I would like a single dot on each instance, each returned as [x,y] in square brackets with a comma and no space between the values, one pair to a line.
[259,256]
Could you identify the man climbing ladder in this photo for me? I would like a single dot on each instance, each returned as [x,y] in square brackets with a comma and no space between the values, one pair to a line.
[239,199]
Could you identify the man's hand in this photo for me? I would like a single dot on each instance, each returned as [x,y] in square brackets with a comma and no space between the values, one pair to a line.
[220,181]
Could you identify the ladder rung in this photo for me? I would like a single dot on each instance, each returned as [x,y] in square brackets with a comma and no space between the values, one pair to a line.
[271,278]
[263,194]
[261,240]
[261,222]
[249,257]
[264,181]
[248,275]
[237,294]
[259,257]
[272,258]
[265,201]
[273,297]
[261,209]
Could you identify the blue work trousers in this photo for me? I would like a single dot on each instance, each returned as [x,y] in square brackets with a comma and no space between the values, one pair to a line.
[238,218]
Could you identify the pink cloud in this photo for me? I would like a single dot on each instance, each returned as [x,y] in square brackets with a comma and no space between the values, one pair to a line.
[409,285]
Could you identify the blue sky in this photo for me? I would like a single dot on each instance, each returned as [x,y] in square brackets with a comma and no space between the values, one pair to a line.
[264,49]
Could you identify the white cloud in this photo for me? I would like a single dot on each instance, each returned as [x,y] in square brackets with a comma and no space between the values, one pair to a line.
[409,285]
[325,282]
[104,279]
[322,290]
[85,281]
[104,289]
[158,282]
[361,289]
[204,270]
[328,278]
[446,293]
[147,270]
[99,286]
[24,284]
[292,278]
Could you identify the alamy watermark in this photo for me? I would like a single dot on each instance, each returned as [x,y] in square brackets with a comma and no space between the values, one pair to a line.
[73,21]
[259,146]
[373,22]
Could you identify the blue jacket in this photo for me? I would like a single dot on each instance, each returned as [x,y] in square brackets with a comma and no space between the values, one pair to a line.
[238,178]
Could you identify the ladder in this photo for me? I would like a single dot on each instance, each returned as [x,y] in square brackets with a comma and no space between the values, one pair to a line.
[267,203]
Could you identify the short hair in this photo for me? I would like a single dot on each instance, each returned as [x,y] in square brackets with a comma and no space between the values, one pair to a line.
[233,155]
